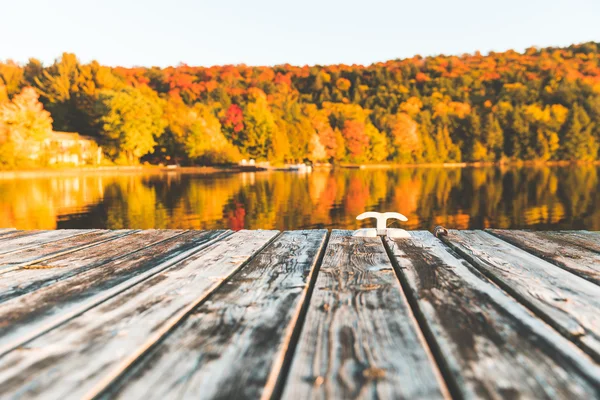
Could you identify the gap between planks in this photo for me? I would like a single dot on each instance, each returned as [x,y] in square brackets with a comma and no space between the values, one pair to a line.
[10,263]
[33,239]
[575,252]
[160,334]
[486,342]
[21,281]
[235,343]
[562,299]
[452,385]
[15,233]
[4,231]
[296,329]
[127,325]
[50,321]
[359,337]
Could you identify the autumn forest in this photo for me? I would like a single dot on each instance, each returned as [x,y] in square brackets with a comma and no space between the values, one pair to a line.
[540,105]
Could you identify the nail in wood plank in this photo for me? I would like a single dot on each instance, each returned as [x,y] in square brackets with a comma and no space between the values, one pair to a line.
[85,354]
[491,345]
[569,303]
[562,249]
[233,345]
[360,339]
[29,316]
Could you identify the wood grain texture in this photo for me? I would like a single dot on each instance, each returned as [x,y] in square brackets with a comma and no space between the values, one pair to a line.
[491,345]
[5,231]
[567,250]
[11,234]
[359,339]
[567,302]
[33,314]
[586,239]
[233,345]
[22,280]
[49,250]
[84,355]
[33,239]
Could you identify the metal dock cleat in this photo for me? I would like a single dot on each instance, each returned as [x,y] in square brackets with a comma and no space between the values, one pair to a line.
[382,229]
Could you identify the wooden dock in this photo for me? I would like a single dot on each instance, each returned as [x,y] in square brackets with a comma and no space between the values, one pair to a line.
[299,314]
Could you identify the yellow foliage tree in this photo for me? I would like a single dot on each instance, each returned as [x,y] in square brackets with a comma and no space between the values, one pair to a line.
[198,132]
[24,124]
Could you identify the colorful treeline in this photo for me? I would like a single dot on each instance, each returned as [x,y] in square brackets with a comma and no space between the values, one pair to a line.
[541,105]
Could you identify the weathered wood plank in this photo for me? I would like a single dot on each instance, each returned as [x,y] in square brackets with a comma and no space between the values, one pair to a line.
[585,239]
[29,316]
[84,355]
[559,248]
[33,276]
[360,339]
[233,345]
[36,239]
[11,234]
[4,231]
[45,251]
[492,347]
[569,303]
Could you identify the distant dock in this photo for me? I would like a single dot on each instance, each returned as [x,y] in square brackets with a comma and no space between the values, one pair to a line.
[299,314]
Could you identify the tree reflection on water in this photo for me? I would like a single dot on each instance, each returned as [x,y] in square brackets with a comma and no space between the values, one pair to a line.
[464,198]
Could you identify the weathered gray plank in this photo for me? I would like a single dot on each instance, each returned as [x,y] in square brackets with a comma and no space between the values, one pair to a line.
[11,234]
[36,239]
[4,231]
[22,280]
[569,303]
[233,345]
[45,251]
[360,339]
[585,239]
[559,248]
[27,317]
[81,357]
[492,346]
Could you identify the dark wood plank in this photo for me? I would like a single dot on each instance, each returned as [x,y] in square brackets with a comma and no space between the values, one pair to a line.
[569,303]
[84,355]
[233,345]
[45,251]
[360,339]
[29,316]
[563,249]
[35,239]
[492,347]
[18,281]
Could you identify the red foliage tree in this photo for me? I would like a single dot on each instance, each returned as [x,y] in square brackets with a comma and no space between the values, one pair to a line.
[357,141]
[233,122]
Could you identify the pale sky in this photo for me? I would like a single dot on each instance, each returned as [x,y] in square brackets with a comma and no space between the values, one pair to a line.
[269,32]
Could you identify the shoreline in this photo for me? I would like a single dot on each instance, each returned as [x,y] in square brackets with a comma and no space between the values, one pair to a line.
[207,170]
[141,169]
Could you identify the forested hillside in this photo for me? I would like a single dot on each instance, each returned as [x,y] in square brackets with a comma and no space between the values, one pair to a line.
[541,105]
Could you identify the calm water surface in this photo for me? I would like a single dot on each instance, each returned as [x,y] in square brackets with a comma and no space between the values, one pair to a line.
[526,197]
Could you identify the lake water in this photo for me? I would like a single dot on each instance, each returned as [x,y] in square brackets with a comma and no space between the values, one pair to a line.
[463,198]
